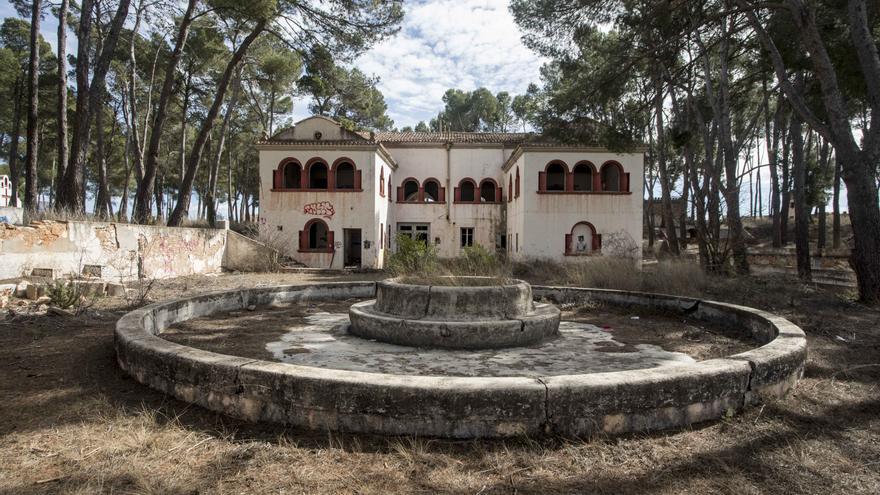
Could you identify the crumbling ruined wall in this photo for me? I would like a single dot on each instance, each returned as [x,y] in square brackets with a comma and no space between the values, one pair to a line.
[109,250]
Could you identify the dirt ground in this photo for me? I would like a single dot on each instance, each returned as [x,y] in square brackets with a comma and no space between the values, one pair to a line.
[72,422]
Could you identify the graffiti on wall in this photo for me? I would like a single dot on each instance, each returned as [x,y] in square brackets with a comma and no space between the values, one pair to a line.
[322,209]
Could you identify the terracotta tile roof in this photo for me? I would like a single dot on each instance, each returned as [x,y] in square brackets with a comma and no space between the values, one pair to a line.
[454,137]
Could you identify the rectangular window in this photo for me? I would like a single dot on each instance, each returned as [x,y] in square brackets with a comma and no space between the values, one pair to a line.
[517,242]
[420,231]
[467,237]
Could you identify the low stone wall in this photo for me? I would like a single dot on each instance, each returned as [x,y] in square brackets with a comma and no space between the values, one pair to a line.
[460,407]
[11,215]
[123,252]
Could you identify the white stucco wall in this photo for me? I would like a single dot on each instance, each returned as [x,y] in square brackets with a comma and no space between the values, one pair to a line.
[546,218]
[536,223]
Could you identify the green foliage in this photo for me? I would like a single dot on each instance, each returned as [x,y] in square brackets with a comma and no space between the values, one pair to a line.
[413,258]
[64,294]
[477,110]
[477,261]
[347,95]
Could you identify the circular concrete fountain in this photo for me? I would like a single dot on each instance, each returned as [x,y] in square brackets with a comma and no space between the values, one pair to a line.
[564,397]
[475,315]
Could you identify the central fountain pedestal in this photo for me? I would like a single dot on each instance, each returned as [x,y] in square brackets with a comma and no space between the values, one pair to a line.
[454,317]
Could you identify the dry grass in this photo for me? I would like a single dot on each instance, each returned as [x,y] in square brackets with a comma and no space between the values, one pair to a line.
[72,422]
[668,276]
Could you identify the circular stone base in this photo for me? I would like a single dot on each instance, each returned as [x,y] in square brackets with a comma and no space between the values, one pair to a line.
[528,329]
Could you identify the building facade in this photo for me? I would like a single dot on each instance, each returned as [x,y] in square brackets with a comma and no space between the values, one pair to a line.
[341,198]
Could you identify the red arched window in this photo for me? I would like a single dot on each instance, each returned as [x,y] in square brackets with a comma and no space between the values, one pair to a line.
[433,192]
[517,182]
[382,182]
[582,240]
[466,192]
[613,178]
[318,174]
[554,178]
[583,177]
[316,237]
[489,191]
[345,176]
[288,175]
[408,192]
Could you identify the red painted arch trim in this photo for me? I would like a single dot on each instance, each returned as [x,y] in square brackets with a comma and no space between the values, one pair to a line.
[313,161]
[344,159]
[287,161]
[585,162]
[556,162]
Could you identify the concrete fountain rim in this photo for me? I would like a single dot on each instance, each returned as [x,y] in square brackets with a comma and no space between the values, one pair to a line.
[460,407]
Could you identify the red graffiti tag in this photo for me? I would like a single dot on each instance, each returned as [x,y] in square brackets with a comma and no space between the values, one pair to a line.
[323,208]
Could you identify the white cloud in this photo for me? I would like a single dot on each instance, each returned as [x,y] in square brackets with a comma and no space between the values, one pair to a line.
[446,44]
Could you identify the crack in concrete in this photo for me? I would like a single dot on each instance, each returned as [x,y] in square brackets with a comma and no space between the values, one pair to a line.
[546,425]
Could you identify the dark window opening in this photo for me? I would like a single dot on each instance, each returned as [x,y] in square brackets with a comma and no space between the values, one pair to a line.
[487,192]
[318,176]
[432,191]
[583,178]
[467,237]
[467,191]
[318,236]
[292,176]
[555,177]
[410,190]
[345,176]
[610,178]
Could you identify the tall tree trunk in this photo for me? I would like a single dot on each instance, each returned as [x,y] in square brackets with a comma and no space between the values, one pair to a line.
[195,155]
[801,210]
[147,183]
[835,205]
[824,163]
[221,141]
[14,172]
[665,182]
[33,139]
[132,101]
[858,169]
[786,191]
[61,159]
[103,192]
[122,213]
[229,209]
[90,96]
[772,137]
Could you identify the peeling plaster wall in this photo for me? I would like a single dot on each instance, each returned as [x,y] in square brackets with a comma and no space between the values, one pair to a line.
[8,214]
[122,250]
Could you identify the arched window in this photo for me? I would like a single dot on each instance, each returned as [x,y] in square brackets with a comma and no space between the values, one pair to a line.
[509,188]
[318,175]
[382,182]
[466,191]
[517,182]
[555,174]
[488,191]
[611,173]
[432,191]
[410,190]
[583,176]
[316,236]
[582,240]
[344,176]
[389,188]
[292,176]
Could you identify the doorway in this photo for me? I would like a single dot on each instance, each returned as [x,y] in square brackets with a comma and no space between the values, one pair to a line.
[352,247]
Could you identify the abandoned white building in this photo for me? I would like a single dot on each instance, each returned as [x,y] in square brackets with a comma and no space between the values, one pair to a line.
[344,196]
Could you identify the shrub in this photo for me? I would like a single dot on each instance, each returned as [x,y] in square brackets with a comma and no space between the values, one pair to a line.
[414,258]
